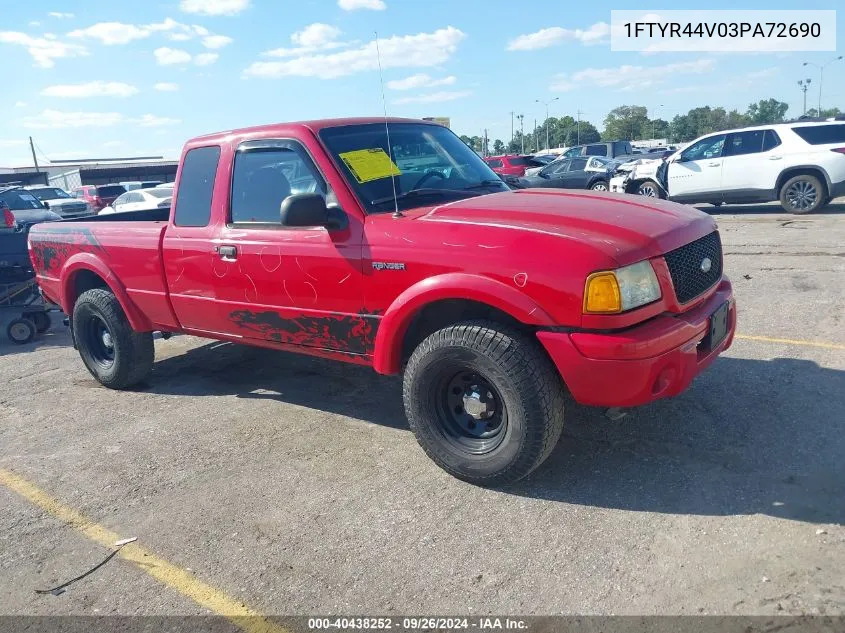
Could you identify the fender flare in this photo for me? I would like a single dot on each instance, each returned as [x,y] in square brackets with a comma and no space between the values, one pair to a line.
[90,262]
[394,324]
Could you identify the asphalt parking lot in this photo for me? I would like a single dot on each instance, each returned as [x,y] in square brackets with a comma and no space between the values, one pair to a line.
[294,486]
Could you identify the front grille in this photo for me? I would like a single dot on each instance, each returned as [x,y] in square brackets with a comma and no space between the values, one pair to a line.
[71,209]
[685,265]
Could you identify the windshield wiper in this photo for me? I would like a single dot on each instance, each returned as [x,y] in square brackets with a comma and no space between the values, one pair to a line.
[486,183]
[415,193]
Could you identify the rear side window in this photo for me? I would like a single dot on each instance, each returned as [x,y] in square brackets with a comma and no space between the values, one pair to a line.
[770,140]
[596,150]
[522,160]
[495,163]
[196,186]
[822,134]
[578,164]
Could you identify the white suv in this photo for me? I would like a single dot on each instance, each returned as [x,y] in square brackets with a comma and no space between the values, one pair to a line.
[801,164]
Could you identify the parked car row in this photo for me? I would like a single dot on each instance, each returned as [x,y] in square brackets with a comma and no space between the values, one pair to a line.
[802,165]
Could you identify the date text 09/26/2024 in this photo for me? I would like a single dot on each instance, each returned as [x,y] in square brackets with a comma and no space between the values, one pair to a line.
[417,623]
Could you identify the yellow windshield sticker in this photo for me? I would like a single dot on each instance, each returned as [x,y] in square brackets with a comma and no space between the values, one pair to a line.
[370,164]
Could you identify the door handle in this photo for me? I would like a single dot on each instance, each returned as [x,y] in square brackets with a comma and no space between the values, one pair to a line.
[716,164]
[227,252]
[775,157]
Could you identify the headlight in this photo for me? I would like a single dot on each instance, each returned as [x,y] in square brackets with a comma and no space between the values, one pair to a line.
[619,290]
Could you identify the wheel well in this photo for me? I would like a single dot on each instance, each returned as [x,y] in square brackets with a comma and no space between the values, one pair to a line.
[82,281]
[439,314]
[799,171]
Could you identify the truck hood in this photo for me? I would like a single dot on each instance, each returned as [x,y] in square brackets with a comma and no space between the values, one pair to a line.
[624,227]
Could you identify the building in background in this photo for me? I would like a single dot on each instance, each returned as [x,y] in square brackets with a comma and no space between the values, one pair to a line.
[97,171]
[441,120]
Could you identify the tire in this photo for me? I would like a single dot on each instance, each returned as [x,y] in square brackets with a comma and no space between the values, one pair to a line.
[649,189]
[21,331]
[600,185]
[41,320]
[513,387]
[115,354]
[802,194]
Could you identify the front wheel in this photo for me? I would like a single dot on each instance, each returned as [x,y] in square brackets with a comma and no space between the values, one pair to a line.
[115,354]
[484,402]
[649,189]
[802,194]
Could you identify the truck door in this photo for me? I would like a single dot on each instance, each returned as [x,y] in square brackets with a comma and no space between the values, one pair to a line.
[696,174]
[289,285]
[188,245]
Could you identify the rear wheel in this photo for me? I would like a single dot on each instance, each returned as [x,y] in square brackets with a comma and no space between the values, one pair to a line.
[802,194]
[600,185]
[484,402]
[21,331]
[116,355]
[649,189]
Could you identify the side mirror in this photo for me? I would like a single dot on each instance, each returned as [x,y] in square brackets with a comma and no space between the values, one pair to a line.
[45,205]
[310,209]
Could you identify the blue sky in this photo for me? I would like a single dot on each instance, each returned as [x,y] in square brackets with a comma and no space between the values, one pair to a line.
[93,78]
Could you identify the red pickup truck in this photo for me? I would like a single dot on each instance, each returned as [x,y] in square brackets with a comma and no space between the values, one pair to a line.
[392,244]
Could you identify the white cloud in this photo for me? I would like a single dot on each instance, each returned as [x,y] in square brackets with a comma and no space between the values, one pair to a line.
[420,80]
[434,97]
[313,38]
[552,36]
[169,56]
[90,89]
[20,104]
[315,35]
[216,41]
[151,120]
[354,5]
[59,15]
[11,143]
[56,119]
[113,33]
[43,50]
[166,87]
[206,59]
[35,23]
[629,77]
[765,73]
[108,144]
[407,51]
[213,7]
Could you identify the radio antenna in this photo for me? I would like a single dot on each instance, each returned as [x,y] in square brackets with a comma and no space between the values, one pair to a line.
[396,212]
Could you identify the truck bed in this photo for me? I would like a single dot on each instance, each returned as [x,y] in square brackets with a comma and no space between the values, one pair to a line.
[153,215]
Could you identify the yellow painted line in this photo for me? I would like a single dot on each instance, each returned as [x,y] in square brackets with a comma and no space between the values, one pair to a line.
[173,576]
[790,341]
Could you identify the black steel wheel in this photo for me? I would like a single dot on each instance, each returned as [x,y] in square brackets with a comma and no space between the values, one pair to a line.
[21,331]
[115,354]
[484,401]
[471,413]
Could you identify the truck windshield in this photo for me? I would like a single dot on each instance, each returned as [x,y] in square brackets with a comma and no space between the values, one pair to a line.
[427,164]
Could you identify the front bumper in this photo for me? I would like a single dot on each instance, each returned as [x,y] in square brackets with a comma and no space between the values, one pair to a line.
[617,184]
[655,360]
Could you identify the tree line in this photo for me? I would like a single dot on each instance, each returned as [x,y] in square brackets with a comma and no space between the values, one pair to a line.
[633,123]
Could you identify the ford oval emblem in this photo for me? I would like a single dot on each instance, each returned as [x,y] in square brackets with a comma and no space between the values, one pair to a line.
[706,265]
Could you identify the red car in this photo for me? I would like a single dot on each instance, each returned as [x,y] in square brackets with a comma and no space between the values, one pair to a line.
[511,164]
[98,196]
[408,256]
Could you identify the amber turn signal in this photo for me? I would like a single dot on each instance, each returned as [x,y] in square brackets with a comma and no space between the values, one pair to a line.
[601,295]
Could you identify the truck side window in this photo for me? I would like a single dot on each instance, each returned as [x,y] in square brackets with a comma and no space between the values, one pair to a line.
[264,177]
[196,186]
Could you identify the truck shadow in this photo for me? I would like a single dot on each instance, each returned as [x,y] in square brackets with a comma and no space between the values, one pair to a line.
[836,207]
[750,436]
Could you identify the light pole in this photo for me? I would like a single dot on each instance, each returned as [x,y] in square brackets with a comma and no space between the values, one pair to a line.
[804,84]
[821,77]
[653,120]
[521,131]
[546,103]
